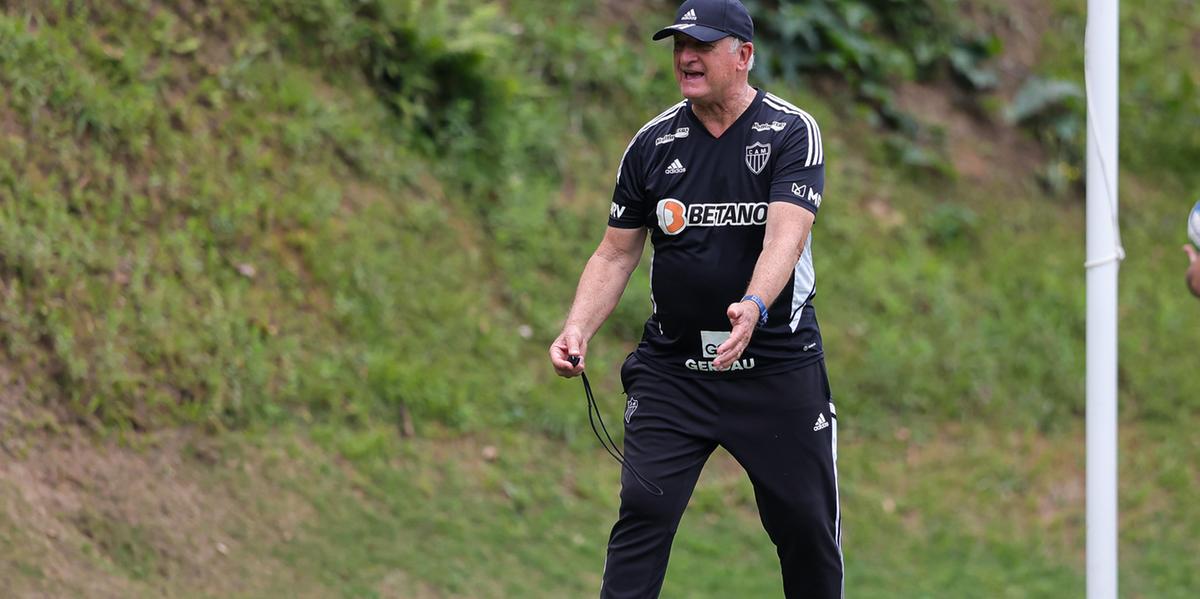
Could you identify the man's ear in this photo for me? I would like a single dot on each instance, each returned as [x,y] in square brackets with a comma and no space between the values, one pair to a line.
[745,52]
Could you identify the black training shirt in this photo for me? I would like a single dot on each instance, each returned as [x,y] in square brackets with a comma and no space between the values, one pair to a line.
[704,200]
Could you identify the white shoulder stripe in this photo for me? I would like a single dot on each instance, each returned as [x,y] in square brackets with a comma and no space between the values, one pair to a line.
[820,158]
[664,115]
[816,149]
[820,144]
[780,107]
[781,100]
[809,125]
[814,140]
[811,143]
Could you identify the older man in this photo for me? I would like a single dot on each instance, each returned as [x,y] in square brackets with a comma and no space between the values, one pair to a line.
[727,184]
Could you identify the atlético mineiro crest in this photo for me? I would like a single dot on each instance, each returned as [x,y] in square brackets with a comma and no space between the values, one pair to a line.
[757,156]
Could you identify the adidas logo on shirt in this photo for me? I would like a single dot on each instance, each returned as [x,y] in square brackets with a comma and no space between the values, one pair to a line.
[676,168]
[821,423]
[690,16]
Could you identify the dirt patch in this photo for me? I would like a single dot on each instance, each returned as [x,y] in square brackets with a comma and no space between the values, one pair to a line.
[1021,26]
[981,146]
[399,585]
[92,519]
[1034,484]
[176,513]
[10,399]
[17,412]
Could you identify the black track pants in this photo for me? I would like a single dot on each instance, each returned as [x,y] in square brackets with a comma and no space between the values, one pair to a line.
[780,427]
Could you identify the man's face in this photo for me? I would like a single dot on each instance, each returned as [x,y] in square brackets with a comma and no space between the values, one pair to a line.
[705,71]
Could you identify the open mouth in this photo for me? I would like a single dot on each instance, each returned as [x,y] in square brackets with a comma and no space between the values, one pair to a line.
[692,75]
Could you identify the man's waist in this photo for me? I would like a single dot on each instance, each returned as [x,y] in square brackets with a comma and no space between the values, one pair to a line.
[743,367]
[757,358]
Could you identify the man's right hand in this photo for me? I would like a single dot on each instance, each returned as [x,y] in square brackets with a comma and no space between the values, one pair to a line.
[1193,271]
[569,343]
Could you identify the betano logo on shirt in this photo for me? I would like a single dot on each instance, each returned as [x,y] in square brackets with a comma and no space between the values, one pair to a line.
[674,216]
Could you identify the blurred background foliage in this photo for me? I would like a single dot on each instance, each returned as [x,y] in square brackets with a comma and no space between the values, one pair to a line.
[330,205]
[363,214]
[871,45]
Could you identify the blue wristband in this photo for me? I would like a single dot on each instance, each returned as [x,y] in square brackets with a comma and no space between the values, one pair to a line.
[762,309]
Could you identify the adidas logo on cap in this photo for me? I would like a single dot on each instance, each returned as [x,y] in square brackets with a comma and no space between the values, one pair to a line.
[676,168]
[709,21]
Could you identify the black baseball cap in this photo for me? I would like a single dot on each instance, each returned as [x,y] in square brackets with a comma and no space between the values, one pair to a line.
[711,20]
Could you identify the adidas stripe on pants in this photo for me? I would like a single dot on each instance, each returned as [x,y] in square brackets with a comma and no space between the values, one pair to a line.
[780,427]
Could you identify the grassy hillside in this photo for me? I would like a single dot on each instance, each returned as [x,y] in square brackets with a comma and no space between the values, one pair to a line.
[333,239]
[325,513]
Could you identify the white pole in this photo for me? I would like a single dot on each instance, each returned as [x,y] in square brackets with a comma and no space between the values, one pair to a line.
[1103,257]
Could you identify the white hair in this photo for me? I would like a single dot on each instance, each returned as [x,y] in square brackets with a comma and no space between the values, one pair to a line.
[735,44]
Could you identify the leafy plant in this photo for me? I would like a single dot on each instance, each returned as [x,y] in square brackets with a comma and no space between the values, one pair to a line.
[871,44]
[1053,111]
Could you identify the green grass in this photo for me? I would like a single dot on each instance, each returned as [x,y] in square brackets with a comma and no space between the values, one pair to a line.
[325,511]
[299,214]
[971,512]
[220,230]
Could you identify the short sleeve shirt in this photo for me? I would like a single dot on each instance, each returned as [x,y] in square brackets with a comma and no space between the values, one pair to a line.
[704,201]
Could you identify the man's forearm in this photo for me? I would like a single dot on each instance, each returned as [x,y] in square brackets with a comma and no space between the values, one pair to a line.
[775,266]
[600,288]
[783,243]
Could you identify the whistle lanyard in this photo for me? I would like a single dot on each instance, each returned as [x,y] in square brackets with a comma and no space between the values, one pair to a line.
[611,446]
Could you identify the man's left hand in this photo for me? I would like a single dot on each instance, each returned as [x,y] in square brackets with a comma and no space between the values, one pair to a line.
[743,316]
